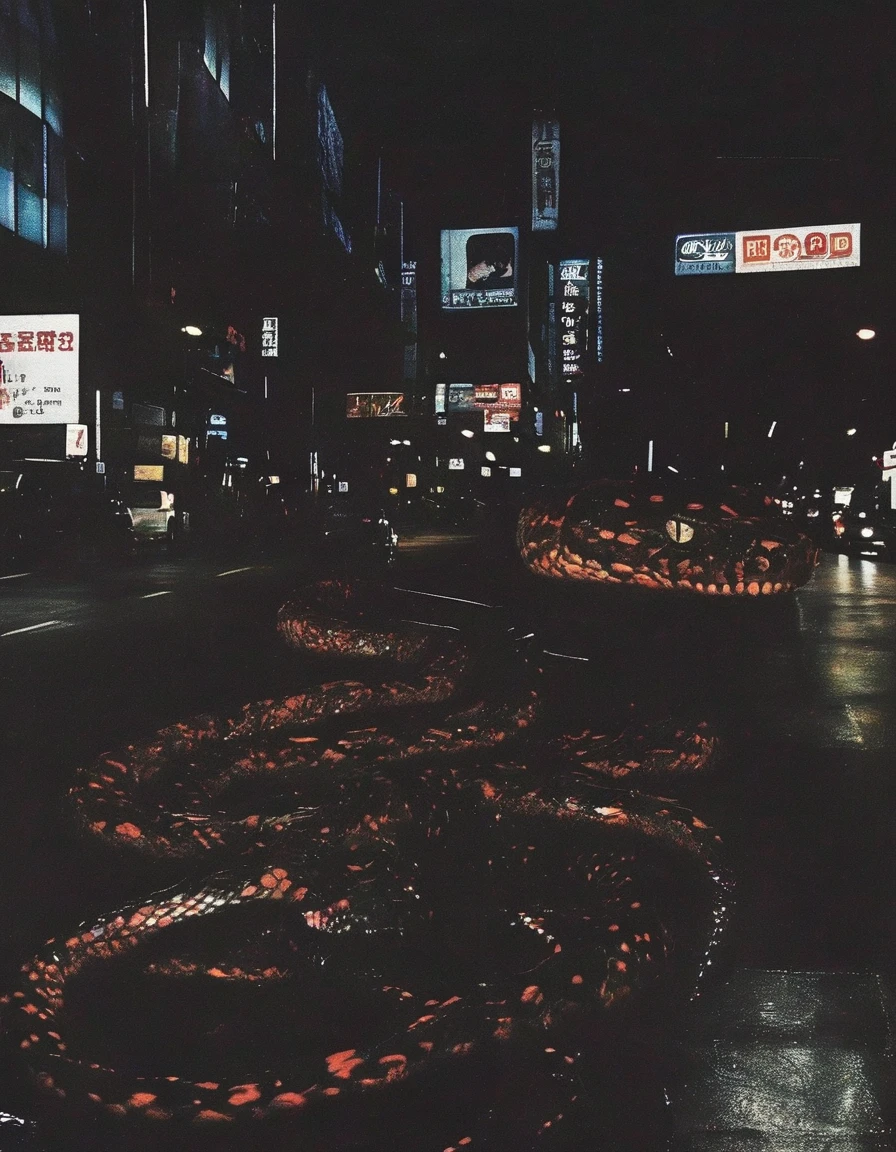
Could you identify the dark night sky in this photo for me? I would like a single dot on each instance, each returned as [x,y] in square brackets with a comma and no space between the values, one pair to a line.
[674,118]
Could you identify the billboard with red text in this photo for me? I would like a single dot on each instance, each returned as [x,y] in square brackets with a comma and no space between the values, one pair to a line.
[39,369]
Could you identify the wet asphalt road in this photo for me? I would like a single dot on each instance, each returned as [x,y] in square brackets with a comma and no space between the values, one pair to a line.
[802,691]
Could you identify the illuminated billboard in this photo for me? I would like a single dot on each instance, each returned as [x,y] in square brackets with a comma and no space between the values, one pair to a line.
[368,404]
[479,268]
[545,174]
[269,340]
[768,249]
[572,315]
[39,369]
[500,403]
[703,253]
[797,249]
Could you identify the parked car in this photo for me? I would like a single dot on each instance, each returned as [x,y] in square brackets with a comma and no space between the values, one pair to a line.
[56,512]
[156,518]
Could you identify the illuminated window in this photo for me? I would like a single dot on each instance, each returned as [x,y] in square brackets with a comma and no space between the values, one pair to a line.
[217,49]
[33,187]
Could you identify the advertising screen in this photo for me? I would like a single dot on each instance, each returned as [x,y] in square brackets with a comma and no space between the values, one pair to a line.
[702,253]
[798,249]
[479,268]
[365,404]
[545,174]
[768,249]
[39,369]
[495,400]
[495,421]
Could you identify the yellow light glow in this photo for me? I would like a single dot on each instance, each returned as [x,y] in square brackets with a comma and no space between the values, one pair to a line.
[866,333]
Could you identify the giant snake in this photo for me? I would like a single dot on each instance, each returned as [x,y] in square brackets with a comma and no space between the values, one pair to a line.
[564,855]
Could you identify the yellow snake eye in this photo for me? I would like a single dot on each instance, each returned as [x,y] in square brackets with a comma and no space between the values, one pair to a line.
[678,531]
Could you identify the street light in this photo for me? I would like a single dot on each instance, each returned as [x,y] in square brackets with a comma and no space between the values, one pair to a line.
[850,431]
[490,456]
[466,432]
[866,333]
[191,330]
[544,447]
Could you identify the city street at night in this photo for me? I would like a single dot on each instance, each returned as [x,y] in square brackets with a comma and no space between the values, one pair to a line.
[447,576]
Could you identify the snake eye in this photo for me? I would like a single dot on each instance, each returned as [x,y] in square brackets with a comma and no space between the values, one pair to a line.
[678,531]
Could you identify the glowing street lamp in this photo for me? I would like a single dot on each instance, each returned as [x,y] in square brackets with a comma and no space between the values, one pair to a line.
[490,456]
[468,433]
[191,330]
[866,333]
[544,447]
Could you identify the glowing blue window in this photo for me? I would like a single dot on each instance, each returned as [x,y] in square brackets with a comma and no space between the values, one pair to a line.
[7,58]
[30,214]
[7,199]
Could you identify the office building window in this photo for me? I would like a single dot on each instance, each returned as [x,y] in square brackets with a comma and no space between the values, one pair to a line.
[33,187]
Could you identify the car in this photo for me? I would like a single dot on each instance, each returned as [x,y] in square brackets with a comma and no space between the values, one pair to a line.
[156,518]
[865,530]
[57,512]
[354,530]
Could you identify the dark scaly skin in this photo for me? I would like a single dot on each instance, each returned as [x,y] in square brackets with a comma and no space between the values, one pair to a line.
[386,797]
[167,798]
[657,536]
[594,951]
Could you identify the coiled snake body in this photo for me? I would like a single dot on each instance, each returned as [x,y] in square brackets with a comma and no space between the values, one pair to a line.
[371,822]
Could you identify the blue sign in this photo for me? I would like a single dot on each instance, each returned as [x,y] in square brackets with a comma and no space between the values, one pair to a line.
[704,252]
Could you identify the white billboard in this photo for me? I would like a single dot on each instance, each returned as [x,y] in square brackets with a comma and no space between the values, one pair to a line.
[796,249]
[39,369]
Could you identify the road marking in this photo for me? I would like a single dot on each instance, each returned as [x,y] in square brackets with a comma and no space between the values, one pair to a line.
[427,624]
[149,595]
[233,571]
[438,596]
[15,576]
[30,628]
[565,655]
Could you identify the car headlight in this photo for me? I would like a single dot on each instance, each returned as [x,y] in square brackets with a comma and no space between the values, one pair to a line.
[867,533]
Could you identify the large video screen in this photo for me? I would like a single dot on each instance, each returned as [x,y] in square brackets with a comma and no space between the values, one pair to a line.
[479,268]
[366,404]
[500,404]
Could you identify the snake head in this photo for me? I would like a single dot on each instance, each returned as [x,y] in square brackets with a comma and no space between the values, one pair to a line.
[730,542]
